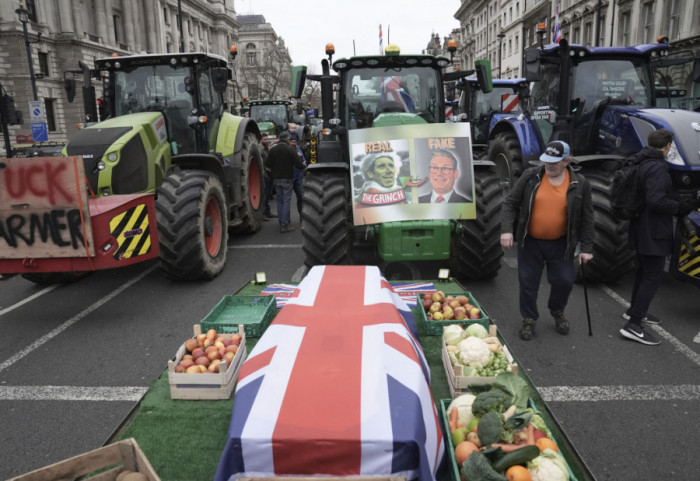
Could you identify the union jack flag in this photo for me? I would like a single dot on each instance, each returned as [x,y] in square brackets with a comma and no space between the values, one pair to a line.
[557,27]
[391,90]
[406,290]
[381,46]
[336,386]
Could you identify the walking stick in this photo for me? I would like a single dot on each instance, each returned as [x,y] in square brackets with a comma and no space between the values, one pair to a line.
[585,295]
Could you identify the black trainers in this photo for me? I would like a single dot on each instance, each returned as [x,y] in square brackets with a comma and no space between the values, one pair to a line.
[649,318]
[631,331]
[560,322]
[527,330]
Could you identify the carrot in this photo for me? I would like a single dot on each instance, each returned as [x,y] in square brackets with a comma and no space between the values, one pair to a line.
[506,447]
[530,434]
[454,419]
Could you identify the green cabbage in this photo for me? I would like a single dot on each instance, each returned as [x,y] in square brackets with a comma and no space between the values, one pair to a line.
[476,330]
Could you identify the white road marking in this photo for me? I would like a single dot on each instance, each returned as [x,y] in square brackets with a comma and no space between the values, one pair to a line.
[696,339]
[44,339]
[29,299]
[299,274]
[268,246]
[651,392]
[71,393]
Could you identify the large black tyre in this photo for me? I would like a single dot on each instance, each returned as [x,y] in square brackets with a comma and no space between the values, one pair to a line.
[326,218]
[192,225]
[612,259]
[252,189]
[476,252]
[505,152]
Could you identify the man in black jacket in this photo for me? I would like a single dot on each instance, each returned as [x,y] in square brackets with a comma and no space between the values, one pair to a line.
[651,234]
[282,159]
[554,211]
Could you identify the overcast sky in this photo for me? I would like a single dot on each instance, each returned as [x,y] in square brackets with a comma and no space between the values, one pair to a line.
[408,24]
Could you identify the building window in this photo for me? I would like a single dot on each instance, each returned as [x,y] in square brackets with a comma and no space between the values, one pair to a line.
[50,114]
[510,47]
[31,9]
[648,18]
[587,33]
[624,34]
[517,9]
[517,44]
[510,13]
[166,16]
[674,14]
[118,36]
[44,64]
[575,36]
[252,91]
[251,55]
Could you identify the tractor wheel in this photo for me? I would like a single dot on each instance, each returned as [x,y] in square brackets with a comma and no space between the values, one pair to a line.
[612,259]
[326,218]
[48,278]
[192,225]
[250,212]
[476,247]
[505,152]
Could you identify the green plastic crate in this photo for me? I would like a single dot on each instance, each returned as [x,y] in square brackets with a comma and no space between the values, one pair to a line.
[434,328]
[254,312]
[449,447]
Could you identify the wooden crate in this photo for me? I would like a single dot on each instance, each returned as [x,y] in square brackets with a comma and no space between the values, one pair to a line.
[114,458]
[206,385]
[323,478]
[459,384]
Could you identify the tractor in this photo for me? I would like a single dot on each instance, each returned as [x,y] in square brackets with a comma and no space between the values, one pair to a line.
[602,101]
[165,131]
[361,101]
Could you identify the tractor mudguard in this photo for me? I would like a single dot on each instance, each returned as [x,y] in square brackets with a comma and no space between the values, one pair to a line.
[523,129]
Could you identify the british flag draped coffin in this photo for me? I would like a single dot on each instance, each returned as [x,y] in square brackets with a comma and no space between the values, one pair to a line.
[337,385]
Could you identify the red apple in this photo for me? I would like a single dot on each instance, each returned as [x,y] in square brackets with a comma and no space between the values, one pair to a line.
[198,353]
[211,334]
[232,348]
[435,306]
[427,300]
[187,356]
[236,338]
[202,361]
[186,363]
[228,357]
[179,368]
[193,370]
[214,366]
[210,349]
[201,338]
[191,344]
[214,355]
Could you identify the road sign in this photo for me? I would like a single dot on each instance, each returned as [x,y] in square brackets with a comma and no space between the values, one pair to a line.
[37,116]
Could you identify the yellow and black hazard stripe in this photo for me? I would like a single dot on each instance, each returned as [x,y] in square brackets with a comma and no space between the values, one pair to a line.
[689,261]
[132,232]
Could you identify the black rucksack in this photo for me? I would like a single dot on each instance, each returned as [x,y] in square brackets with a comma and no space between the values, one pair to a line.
[625,200]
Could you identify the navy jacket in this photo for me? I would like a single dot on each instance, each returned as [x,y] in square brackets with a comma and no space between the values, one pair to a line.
[652,233]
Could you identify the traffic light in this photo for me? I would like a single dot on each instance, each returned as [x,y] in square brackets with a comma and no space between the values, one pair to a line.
[7,108]
[102,108]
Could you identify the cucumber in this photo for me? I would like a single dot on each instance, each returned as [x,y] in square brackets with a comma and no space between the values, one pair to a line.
[519,456]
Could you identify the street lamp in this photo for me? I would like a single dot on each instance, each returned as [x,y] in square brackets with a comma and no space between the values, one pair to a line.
[500,36]
[24,18]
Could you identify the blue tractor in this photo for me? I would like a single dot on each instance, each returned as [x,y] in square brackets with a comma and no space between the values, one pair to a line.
[602,101]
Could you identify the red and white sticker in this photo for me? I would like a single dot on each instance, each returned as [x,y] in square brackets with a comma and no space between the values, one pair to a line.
[509,102]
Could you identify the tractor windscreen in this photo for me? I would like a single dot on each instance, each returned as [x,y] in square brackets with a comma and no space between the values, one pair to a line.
[275,113]
[371,92]
[153,87]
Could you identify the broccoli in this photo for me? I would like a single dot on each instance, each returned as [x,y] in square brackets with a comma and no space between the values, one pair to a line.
[478,468]
[493,400]
[490,428]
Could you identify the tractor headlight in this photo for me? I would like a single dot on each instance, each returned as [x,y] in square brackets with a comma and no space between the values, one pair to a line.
[674,156]
[112,156]
[100,166]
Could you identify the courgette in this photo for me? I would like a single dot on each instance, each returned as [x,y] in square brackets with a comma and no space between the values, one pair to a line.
[519,456]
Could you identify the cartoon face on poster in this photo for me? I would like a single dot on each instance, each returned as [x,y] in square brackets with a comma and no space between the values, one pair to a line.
[412,172]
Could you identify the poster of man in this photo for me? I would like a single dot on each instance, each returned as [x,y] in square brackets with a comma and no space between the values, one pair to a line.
[412,172]
[380,164]
[447,183]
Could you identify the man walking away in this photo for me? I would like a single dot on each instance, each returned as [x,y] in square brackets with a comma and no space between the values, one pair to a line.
[282,160]
[269,189]
[553,206]
[651,234]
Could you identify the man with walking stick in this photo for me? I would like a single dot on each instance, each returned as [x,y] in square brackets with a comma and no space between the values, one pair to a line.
[553,206]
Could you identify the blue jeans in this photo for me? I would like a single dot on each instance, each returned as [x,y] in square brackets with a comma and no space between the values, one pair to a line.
[533,255]
[298,191]
[283,189]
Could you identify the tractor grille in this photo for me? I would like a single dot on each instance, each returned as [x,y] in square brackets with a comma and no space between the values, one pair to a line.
[131,173]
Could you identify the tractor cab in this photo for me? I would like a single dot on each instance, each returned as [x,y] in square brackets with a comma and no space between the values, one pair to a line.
[272,116]
[186,88]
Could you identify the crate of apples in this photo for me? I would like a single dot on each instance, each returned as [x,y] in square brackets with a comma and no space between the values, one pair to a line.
[206,365]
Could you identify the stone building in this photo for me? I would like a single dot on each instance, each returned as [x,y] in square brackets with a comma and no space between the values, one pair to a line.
[61,33]
[263,70]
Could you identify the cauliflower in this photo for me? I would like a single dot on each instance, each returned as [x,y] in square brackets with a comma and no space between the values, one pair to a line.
[474,352]
[548,466]
[463,404]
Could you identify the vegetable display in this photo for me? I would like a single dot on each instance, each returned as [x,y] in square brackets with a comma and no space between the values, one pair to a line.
[502,435]
[474,354]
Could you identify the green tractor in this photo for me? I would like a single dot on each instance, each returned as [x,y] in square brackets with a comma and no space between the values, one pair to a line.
[361,102]
[165,130]
[272,116]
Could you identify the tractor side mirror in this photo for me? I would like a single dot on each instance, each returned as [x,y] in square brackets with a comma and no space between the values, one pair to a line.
[531,59]
[696,68]
[298,80]
[70,89]
[220,77]
[483,75]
